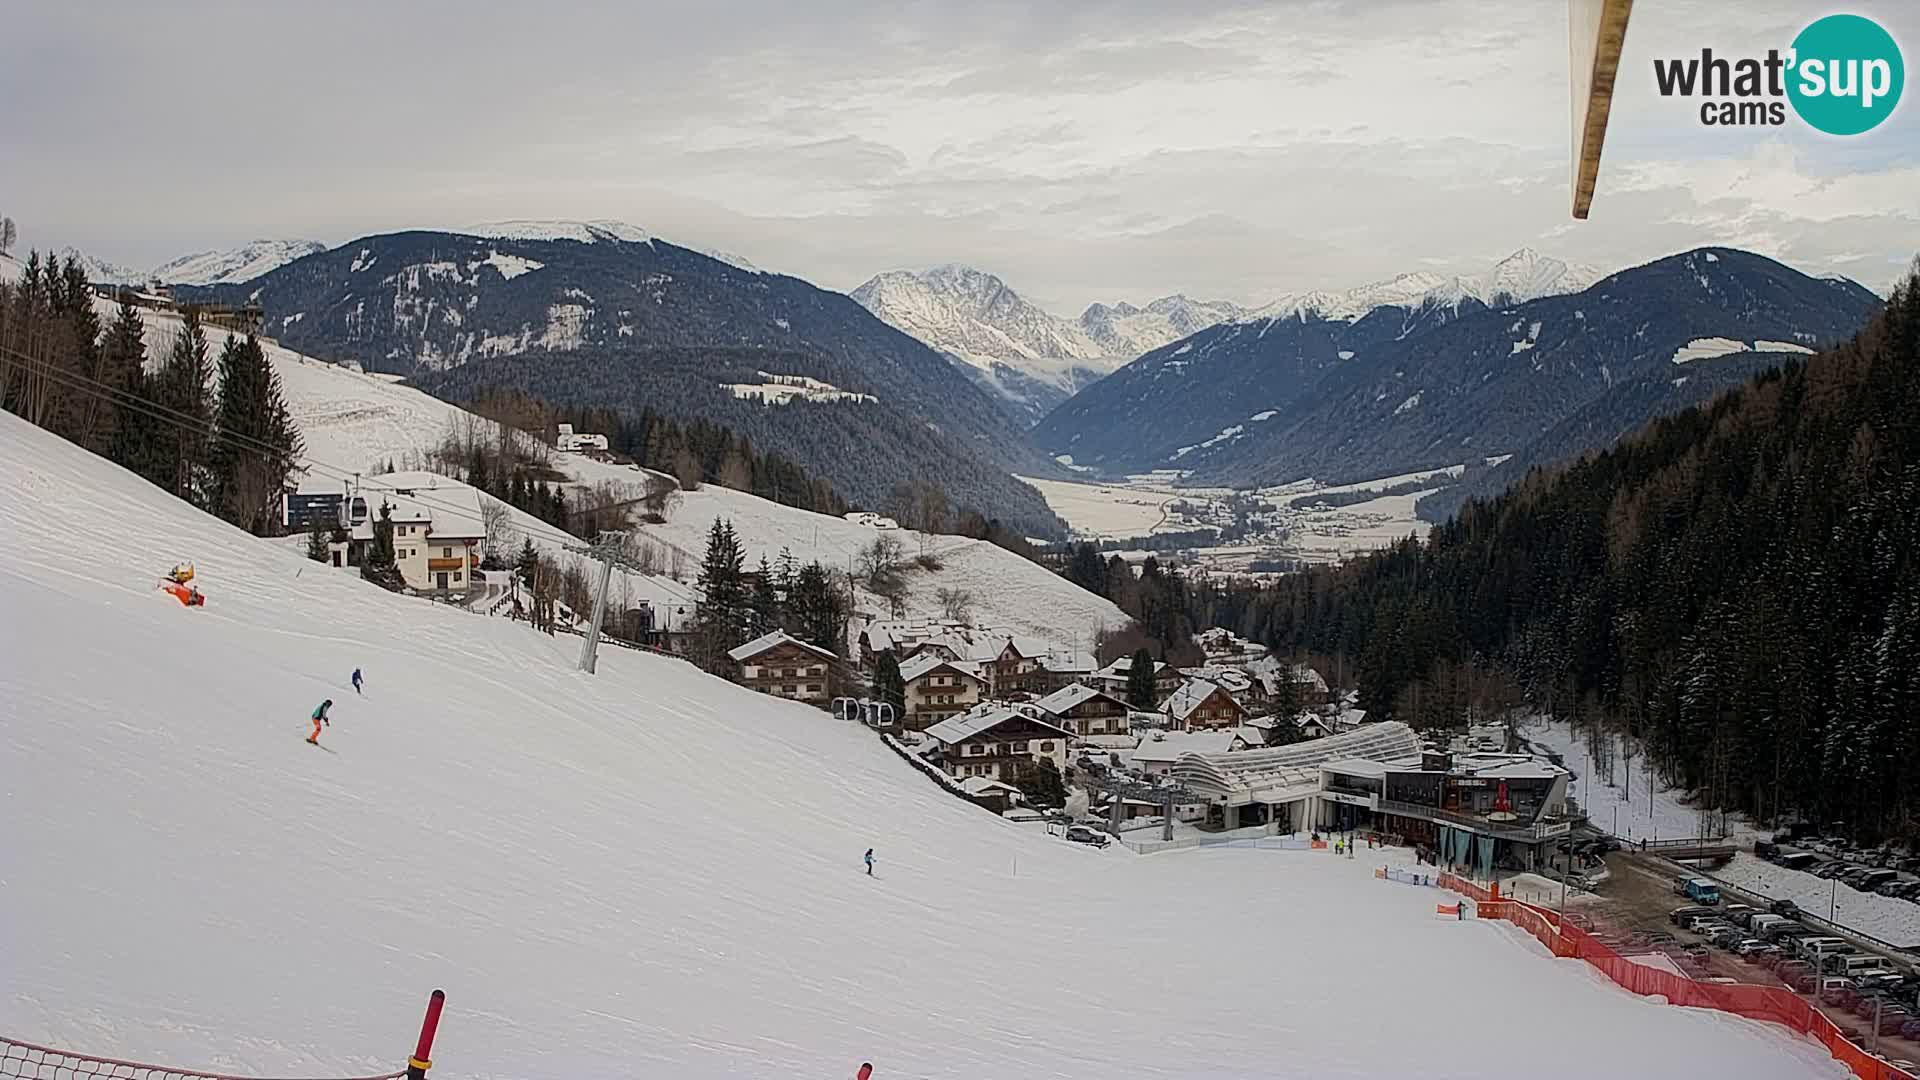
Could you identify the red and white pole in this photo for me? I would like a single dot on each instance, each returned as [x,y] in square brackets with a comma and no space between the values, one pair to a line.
[422,1058]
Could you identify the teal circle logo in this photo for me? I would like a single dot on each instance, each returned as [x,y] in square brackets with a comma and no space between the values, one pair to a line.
[1847,74]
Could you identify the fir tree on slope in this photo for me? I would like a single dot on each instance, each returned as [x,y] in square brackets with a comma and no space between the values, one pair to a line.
[721,621]
[817,609]
[182,386]
[1140,685]
[380,566]
[763,602]
[139,438]
[255,442]
[888,686]
[317,549]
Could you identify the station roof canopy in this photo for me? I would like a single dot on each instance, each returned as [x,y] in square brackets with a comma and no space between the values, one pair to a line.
[1246,776]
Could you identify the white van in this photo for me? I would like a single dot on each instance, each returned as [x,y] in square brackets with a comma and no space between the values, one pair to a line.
[1851,966]
[1817,949]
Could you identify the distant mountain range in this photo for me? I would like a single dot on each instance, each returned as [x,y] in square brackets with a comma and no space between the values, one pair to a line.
[231,266]
[1521,366]
[1036,360]
[1031,359]
[604,313]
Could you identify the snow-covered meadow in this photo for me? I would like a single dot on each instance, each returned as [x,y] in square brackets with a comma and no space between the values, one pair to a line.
[643,872]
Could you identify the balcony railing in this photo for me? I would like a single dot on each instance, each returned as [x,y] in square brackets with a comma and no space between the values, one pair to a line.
[1539,830]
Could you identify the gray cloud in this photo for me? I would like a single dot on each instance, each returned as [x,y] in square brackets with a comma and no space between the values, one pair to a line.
[1099,150]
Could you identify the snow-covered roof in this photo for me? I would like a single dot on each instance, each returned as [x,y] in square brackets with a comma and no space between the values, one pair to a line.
[1254,737]
[1352,766]
[1067,697]
[1192,694]
[927,662]
[1108,742]
[1520,770]
[981,785]
[450,509]
[1123,665]
[1171,746]
[956,729]
[741,654]
[1295,768]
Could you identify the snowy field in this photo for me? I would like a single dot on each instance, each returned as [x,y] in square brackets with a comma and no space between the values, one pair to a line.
[1890,920]
[642,873]
[1008,591]
[1663,816]
[1115,510]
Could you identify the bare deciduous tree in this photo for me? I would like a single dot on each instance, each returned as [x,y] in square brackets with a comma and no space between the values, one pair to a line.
[956,604]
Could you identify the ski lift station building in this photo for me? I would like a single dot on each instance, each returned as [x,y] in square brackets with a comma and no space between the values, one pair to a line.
[1505,809]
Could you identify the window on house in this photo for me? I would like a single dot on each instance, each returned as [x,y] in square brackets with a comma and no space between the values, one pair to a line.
[975,749]
[1019,748]
[446,553]
[813,688]
[1046,748]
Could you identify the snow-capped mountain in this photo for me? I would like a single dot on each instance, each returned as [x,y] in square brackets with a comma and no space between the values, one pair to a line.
[1031,358]
[235,265]
[1124,330]
[586,232]
[1434,374]
[1524,275]
[102,272]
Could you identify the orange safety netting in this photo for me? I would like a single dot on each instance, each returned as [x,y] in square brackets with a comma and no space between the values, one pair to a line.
[28,1061]
[1775,1004]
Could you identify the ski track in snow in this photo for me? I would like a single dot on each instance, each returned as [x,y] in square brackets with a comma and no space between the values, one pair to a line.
[644,872]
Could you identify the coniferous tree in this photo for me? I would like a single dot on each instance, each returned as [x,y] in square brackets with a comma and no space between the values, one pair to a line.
[255,442]
[185,391]
[763,602]
[380,566]
[139,436]
[317,549]
[818,609]
[527,563]
[1141,692]
[888,686]
[722,617]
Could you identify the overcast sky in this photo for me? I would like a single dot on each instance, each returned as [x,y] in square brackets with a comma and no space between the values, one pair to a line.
[1082,149]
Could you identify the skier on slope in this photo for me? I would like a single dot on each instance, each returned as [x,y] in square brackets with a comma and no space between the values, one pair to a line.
[319,718]
[356,680]
[869,862]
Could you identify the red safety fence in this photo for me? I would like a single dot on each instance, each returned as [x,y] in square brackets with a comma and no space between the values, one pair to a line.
[1775,1004]
[30,1061]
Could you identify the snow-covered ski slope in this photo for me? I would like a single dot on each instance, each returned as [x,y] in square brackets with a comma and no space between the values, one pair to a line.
[642,873]
[1008,592]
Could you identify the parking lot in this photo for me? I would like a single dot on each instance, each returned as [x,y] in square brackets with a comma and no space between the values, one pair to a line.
[1881,871]
[1632,913]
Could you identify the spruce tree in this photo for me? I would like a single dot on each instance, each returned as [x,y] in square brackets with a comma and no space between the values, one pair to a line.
[527,563]
[763,602]
[1140,684]
[888,686]
[722,615]
[139,438]
[817,608]
[380,565]
[255,442]
[317,549]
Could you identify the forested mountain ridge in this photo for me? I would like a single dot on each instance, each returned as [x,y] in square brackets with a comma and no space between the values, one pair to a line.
[1411,386]
[1736,587]
[607,316]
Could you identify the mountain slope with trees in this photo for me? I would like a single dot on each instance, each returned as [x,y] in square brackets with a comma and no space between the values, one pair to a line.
[610,317]
[1735,588]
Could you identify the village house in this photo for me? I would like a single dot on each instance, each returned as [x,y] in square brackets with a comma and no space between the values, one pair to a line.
[1113,678]
[938,688]
[573,442]
[996,742]
[437,528]
[1086,711]
[784,666]
[1202,704]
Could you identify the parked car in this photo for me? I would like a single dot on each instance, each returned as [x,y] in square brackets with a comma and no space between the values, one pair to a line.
[1799,860]
[1770,957]
[1911,1030]
[1831,991]
[1785,907]
[1081,834]
[1802,981]
[1758,955]
[1893,1019]
[1749,946]
[1697,889]
[1792,967]
[1739,914]
[1660,937]
[1679,916]
[1727,937]
[1868,1004]
[1873,879]
[1828,869]
[1766,849]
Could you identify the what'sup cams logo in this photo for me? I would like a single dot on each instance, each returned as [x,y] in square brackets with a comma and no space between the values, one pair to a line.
[1842,75]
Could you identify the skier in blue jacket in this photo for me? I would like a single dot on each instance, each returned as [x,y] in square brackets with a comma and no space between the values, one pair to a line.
[869,862]
[356,680]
